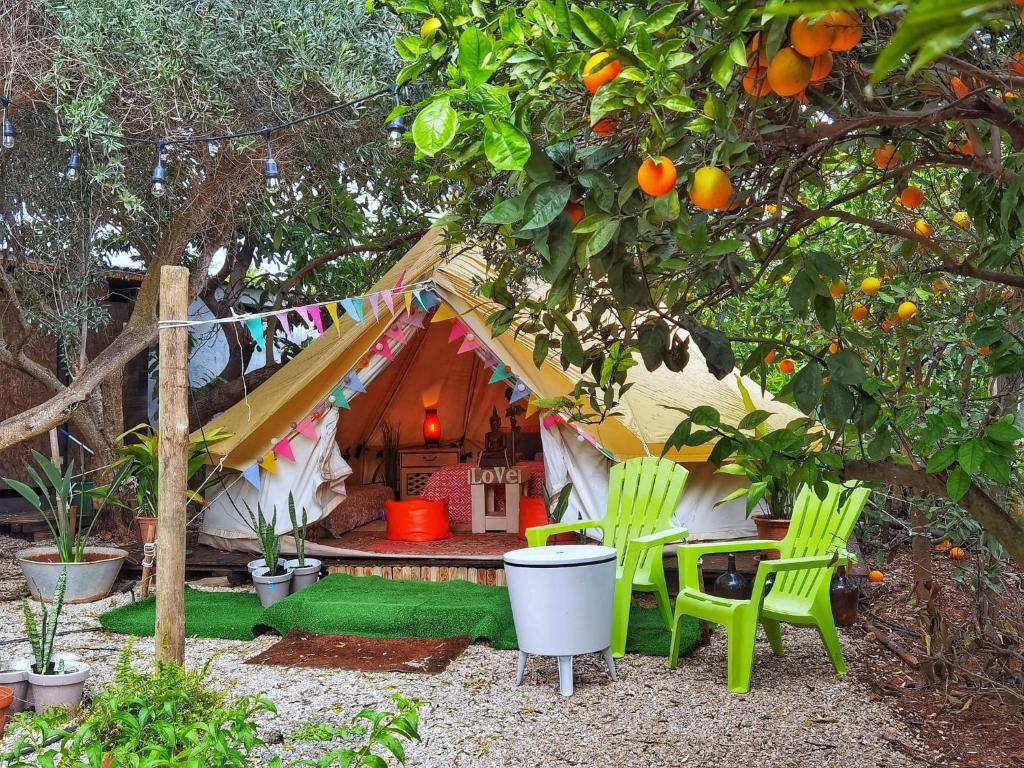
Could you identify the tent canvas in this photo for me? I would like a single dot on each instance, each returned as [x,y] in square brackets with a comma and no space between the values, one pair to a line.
[423,367]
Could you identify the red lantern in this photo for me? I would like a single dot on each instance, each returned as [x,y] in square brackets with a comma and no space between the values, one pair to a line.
[431,427]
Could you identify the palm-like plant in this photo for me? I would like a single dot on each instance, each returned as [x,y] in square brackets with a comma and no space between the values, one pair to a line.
[41,634]
[299,529]
[266,535]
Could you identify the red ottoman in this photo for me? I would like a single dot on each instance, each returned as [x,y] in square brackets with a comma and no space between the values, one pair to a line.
[417,520]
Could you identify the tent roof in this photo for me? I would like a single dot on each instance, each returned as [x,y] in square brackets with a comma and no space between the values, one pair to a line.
[643,422]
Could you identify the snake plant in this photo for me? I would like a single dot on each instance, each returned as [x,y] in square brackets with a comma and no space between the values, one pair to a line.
[298,531]
[266,534]
[41,635]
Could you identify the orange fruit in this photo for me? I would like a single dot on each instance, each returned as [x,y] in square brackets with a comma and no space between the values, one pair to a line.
[962,219]
[711,189]
[833,347]
[837,288]
[885,157]
[821,65]
[606,126]
[786,366]
[876,576]
[757,52]
[870,285]
[885,325]
[1017,65]
[966,148]
[770,357]
[907,310]
[576,213]
[789,72]
[812,38]
[957,553]
[773,210]
[959,87]
[847,28]
[858,312]
[912,197]
[985,351]
[755,81]
[923,228]
[600,68]
[656,178]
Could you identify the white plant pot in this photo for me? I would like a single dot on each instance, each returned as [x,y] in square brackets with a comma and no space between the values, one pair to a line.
[255,565]
[271,589]
[89,580]
[306,575]
[15,677]
[59,690]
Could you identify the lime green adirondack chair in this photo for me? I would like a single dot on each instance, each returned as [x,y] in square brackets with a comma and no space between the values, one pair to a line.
[809,554]
[642,498]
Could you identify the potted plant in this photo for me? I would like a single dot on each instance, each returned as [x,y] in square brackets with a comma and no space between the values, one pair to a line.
[273,580]
[52,682]
[92,569]
[305,570]
[139,463]
[14,675]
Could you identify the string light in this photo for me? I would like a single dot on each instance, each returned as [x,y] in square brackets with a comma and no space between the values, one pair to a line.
[396,128]
[271,176]
[159,177]
[8,130]
[74,164]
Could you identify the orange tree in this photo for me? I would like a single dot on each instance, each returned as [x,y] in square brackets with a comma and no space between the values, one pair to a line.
[728,175]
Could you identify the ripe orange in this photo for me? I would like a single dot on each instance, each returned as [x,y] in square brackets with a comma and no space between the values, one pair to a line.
[600,68]
[786,366]
[789,72]
[966,148]
[923,228]
[811,37]
[576,213]
[833,347]
[870,285]
[962,219]
[821,65]
[711,189]
[959,87]
[773,210]
[858,312]
[1017,65]
[770,357]
[985,351]
[656,179]
[605,126]
[757,52]
[907,310]
[912,197]
[876,576]
[957,553]
[848,30]
[837,288]
[885,157]
[755,81]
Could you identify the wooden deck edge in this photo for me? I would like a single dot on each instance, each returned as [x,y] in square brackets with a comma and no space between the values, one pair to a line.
[492,577]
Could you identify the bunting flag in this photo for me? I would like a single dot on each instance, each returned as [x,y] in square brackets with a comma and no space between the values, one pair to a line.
[469,343]
[606,453]
[420,297]
[375,305]
[303,313]
[401,280]
[444,312]
[501,373]
[531,408]
[383,349]
[354,308]
[395,332]
[519,391]
[337,398]
[307,428]
[255,326]
[269,463]
[283,448]
[332,310]
[389,301]
[282,318]
[413,320]
[459,329]
[408,303]
[252,474]
[428,299]
[353,382]
[318,319]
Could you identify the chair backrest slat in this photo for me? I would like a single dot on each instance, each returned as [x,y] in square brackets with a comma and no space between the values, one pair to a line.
[643,494]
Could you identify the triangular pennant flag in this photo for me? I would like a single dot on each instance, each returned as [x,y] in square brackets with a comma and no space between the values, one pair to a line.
[531,408]
[395,332]
[283,448]
[318,319]
[255,326]
[269,463]
[332,310]
[459,329]
[304,314]
[444,312]
[606,453]
[389,301]
[413,320]
[551,420]
[353,382]
[421,298]
[401,279]
[354,308]
[337,398]
[375,305]
[252,474]
[501,373]
[469,343]
[408,303]
[519,391]
[282,318]
[429,299]
[383,349]
[307,428]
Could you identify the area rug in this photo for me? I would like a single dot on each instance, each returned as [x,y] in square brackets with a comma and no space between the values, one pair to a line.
[425,655]
[371,606]
[483,546]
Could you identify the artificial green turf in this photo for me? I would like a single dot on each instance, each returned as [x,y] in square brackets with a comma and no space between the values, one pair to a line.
[374,607]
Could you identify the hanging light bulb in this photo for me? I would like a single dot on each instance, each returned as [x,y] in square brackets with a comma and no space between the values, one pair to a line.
[74,164]
[8,130]
[159,177]
[271,175]
[396,128]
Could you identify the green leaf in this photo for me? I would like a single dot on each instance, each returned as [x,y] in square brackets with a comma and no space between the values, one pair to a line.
[572,350]
[807,387]
[506,212]
[540,349]
[662,17]
[996,467]
[474,49]
[1003,431]
[544,203]
[845,367]
[705,416]
[958,483]
[507,149]
[753,419]
[435,126]
[601,237]
[970,456]
[837,402]
[941,459]
[653,340]
[881,445]
[738,52]
[722,69]
[825,311]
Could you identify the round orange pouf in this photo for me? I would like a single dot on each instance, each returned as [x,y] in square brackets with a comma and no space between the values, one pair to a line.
[417,520]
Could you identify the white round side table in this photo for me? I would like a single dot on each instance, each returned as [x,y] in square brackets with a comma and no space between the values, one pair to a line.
[562,604]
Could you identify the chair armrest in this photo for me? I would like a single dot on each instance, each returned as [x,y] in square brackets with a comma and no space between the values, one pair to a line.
[661,538]
[537,536]
[690,554]
[840,557]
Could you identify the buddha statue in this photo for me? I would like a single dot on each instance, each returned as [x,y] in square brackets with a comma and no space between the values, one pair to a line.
[494,453]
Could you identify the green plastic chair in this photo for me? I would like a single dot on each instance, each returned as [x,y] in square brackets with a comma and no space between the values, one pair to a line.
[642,498]
[809,554]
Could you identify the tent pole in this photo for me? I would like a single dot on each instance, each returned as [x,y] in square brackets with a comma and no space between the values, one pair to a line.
[173,443]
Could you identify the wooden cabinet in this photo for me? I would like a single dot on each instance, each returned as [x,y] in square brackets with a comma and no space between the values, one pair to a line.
[418,464]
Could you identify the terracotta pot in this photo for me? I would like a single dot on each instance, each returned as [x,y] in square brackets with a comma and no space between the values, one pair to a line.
[771,528]
[147,528]
[6,699]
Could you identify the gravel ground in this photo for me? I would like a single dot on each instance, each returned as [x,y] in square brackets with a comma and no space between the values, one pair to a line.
[798,713]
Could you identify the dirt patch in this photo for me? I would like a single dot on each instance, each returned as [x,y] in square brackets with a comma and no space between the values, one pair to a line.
[367,654]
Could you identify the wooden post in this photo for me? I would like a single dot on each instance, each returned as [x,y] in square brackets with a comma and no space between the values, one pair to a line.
[172,484]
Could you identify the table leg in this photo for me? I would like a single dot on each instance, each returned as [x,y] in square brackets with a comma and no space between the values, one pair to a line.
[610,661]
[522,668]
[565,675]
[512,507]
[479,502]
